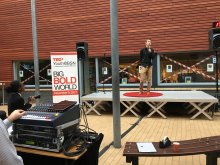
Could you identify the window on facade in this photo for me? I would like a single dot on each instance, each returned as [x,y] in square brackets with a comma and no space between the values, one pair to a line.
[187,68]
[128,70]
[92,75]
[181,68]
[25,72]
[105,74]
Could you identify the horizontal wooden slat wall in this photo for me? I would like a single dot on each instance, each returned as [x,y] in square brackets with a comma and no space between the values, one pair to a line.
[172,25]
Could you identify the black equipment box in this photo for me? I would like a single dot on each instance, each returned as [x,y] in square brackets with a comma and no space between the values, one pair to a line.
[47,127]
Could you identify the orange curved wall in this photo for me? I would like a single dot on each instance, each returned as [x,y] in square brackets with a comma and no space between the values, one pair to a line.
[172,26]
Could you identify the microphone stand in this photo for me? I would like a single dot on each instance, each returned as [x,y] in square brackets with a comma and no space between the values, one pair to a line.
[216,77]
[103,77]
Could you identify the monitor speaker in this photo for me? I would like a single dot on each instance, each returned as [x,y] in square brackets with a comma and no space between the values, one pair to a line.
[82,50]
[214,38]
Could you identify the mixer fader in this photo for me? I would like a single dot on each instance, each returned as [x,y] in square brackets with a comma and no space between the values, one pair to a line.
[41,116]
[41,108]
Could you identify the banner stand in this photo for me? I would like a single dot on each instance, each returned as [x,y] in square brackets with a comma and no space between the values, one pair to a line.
[65,82]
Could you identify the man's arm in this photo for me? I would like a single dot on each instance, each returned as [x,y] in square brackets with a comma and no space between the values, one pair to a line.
[8,154]
[141,55]
[16,115]
[31,100]
[153,54]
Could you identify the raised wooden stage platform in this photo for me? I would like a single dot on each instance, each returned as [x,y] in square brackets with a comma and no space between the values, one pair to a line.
[197,101]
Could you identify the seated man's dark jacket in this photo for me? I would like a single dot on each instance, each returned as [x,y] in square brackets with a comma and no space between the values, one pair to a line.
[16,102]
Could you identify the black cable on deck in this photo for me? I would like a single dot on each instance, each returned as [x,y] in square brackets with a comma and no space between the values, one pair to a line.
[123,135]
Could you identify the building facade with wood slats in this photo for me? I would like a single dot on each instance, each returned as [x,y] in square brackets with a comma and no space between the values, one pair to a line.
[173,26]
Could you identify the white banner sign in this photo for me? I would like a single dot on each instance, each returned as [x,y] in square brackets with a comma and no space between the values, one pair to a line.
[64,69]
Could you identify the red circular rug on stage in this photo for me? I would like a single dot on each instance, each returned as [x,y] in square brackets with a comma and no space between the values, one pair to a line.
[144,94]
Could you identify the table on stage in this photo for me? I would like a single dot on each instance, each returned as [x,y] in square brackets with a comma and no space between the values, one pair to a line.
[35,157]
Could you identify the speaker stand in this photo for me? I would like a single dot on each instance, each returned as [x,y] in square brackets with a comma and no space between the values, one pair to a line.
[103,75]
[216,77]
[103,87]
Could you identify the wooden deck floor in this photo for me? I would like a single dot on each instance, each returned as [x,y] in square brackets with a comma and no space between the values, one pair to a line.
[154,129]
[176,127]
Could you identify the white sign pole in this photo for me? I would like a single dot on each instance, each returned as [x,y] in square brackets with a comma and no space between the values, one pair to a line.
[64,71]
